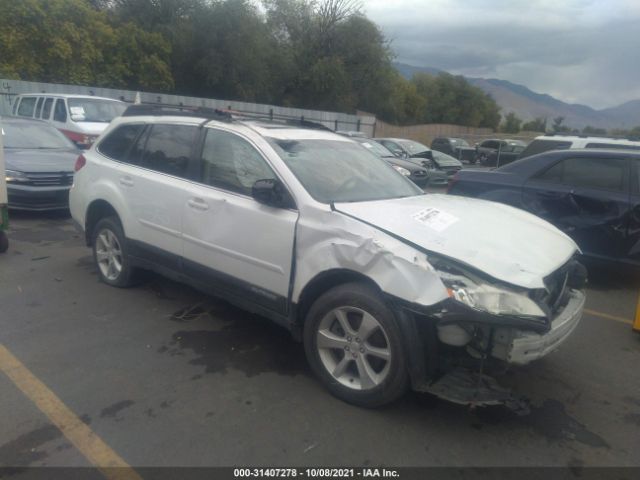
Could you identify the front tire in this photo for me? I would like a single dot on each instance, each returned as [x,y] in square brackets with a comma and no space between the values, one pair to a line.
[110,254]
[354,345]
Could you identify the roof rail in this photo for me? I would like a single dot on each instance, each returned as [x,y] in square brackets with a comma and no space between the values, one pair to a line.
[158,109]
[278,119]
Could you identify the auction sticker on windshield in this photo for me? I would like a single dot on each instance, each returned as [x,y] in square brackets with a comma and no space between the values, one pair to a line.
[435,218]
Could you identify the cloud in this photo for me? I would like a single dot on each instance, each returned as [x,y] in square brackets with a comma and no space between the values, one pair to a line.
[581,51]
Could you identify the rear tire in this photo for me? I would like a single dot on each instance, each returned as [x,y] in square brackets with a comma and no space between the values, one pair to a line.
[110,254]
[354,345]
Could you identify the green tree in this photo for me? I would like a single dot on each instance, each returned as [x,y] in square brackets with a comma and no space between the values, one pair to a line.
[451,99]
[511,123]
[68,41]
[537,125]
[593,131]
[558,126]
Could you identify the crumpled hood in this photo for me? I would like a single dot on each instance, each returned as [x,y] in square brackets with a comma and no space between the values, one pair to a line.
[506,243]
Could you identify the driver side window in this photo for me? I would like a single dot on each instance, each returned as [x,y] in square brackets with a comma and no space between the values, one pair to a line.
[232,163]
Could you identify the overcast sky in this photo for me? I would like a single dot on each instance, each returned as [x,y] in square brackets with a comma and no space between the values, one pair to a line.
[579,51]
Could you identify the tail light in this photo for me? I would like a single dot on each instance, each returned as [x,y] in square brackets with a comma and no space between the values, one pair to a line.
[80,162]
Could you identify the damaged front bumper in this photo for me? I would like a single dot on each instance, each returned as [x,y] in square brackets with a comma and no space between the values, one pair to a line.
[520,347]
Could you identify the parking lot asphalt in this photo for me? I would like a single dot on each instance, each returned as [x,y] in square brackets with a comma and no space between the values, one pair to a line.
[164,375]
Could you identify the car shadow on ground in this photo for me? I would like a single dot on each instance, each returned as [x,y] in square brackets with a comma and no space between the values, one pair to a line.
[603,276]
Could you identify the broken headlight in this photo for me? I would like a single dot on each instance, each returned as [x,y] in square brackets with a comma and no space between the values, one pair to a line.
[479,295]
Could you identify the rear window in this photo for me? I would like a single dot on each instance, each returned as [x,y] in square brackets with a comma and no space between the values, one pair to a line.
[46,109]
[168,149]
[60,111]
[598,173]
[540,146]
[26,107]
[119,142]
[39,107]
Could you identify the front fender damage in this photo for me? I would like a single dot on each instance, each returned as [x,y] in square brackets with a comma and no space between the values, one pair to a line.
[346,244]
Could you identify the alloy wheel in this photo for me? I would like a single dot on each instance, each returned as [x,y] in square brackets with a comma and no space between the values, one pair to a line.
[354,348]
[108,254]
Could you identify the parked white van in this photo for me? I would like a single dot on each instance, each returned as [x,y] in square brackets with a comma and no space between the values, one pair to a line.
[80,117]
[544,143]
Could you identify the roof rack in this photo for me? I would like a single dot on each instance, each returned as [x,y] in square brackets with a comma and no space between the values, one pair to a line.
[158,109]
[278,119]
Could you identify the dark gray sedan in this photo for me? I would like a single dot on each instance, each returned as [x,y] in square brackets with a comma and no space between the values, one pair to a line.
[39,163]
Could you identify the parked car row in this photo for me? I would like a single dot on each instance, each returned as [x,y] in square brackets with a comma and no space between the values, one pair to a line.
[417,152]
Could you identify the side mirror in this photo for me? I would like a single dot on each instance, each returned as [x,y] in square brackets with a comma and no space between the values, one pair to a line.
[271,192]
[403,154]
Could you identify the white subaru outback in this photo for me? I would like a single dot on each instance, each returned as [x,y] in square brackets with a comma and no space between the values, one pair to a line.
[387,286]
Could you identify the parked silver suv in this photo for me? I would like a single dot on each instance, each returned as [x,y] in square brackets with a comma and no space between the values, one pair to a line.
[312,231]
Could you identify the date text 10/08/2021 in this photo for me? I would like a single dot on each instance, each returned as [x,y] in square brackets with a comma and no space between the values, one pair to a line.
[315,472]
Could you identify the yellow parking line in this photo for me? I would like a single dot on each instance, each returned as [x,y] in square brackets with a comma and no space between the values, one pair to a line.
[110,464]
[608,317]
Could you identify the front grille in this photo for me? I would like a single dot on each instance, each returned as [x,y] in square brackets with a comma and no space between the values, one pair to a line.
[46,179]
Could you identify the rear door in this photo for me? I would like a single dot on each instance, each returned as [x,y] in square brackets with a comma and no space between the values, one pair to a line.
[587,198]
[152,179]
[233,243]
[157,189]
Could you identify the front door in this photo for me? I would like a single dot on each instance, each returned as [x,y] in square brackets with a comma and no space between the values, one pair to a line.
[233,243]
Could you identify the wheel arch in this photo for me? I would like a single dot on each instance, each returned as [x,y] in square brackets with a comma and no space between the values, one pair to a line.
[97,210]
[324,281]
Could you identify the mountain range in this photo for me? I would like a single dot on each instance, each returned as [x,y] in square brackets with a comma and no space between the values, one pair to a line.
[528,105]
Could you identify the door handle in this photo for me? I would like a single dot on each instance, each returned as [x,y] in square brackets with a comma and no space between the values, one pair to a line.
[126,181]
[198,204]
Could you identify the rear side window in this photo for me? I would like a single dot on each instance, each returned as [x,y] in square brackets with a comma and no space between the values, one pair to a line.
[540,146]
[119,142]
[168,149]
[598,173]
[26,107]
[60,111]
[232,163]
[39,107]
[46,109]
[616,146]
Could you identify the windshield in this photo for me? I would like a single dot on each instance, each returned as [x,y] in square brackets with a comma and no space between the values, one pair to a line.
[33,135]
[445,160]
[413,147]
[94,109]
[376,148]
[459,142]
[339,171]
